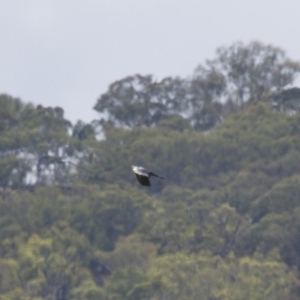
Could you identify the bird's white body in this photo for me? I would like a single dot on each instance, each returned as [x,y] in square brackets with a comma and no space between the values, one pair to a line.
[140,171]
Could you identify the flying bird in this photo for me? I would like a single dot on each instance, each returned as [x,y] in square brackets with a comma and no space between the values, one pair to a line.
[143,175]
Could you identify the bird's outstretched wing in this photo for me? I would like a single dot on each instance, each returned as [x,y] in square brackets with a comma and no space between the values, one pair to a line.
[152,174]
[143,180]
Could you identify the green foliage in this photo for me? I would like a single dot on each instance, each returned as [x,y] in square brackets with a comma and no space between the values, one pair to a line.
[287,100]
[224,223]
[204,277]
[238,76]
[253,71]
[140,101]
[175,123]
[33,145]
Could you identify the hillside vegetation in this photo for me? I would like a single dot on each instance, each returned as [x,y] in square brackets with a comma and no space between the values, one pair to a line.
[224,224]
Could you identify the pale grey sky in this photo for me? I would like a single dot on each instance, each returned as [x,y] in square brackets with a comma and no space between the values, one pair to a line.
[66,52]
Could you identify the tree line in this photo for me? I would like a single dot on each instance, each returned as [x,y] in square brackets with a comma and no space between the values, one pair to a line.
[223,225]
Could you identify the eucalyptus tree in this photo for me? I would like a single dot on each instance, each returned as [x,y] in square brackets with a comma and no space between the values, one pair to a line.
[287,100]
[254,71]
[205,91]
[13,165]
[140,101]
[49,144]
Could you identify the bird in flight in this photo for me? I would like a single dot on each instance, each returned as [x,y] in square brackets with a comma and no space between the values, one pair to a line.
[143,175]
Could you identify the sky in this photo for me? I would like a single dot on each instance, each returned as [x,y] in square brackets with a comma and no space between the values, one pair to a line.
[66,52]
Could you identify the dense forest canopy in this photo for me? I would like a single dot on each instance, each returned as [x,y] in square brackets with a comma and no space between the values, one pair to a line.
[224,223]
